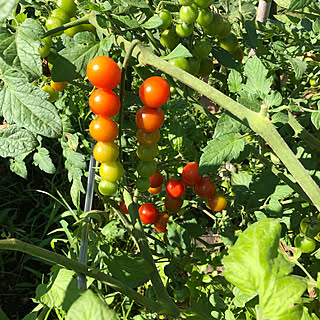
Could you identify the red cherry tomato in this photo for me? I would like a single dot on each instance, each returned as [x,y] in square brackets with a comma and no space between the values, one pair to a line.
[173,204]
[205,188]
[104,103]
[161,221]
[154,92]
[155,190]
[103,72]
[174,188]
[103,129]
[149,119]
[190,174]
[123,208]
[148,213]
[217,202]
[156,180]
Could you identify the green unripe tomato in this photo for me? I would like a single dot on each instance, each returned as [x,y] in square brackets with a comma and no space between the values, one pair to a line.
[184,29]
[146,169]
[166,17]
[53,94]
[229,43]
[189,14]
[206,67]
[205,17]
[45,49]
[61,14]
[305,244]
[68,6]
[181,63]
[226,29]
[313,82]
[194,65]
[107,188]
[169,38]
[203,3]
[147,153]
[185,2]
[310,226]
[143,184]
[79,28]
[54,22]
[202,48]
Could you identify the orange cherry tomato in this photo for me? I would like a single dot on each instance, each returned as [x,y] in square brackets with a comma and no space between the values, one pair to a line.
[149,119]
[104,103]
[148,139]
[217,203]
[155,190]
[154,92]
[103,72]
[58,86]
[103,129]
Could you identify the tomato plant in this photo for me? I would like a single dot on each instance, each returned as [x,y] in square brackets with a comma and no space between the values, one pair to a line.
[173,204]
[205,17]
[68,6]
[169,38]
[103,129]
[111,171]
[155,190]
[104,103]
[148,139]
[181,63]
[205,188]
[156,179]
[184,29]
[181,293]
[53,94]
[148,213]
[203,3]
[194,65]
[60,14]
[58,86]
[229,43]
[310,226]
[143,184]
[105,151]
[175,188]
[206,67]
[45,49]
[149,119]
[54,22]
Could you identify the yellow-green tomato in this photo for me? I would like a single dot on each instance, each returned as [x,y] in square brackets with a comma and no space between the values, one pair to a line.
[61,14]
[54,22]
[68,6]
[147,153]
[105,151]
[111,171]
[44,50]
[53,94]
[107,188]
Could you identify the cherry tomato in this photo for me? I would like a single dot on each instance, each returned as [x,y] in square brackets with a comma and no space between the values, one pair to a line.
[226,29]
[146,169]
[143,184]
[107,188]
[194,65]
[229,43]
[184,29]
[206,67]
[169,38]
[123,207]
[173,204]
[154,92]
[54,22]
[147,153]
[148,139]
[59,86]
[68,6]
[103,129]
[310,226]
[155,190]
[185,2]
[160,223]
[203,3]
[238,53]
[61,14]
[205,17]
[156,180]
[104,103]
[217,27]
[166,17]
[105,151]
[111,171]
[217,202]
[149,119]
[181,293]
[189,14]
[174,188]
[190,174]
[44,50]
[103,72]
[148,213]
[202,47]
[53,94]
[305,244]
[205,188]
[185,182]
[181,63]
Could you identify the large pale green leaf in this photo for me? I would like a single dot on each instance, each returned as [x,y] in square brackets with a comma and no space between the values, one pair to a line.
[8,50]
[43,160]
[89,307]
[15,140]
[7,7]
[256,267]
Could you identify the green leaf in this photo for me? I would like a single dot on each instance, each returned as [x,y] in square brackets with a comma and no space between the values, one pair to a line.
[256,267]
[76,189]
[226,59]
[229,315]
[234,81]
[153,22]
[219,150]
[27,39]
[273,99]
[3,316]
[298,4]
[7,7]
[19,167]
[89,307]
[316,26]
[8,50]
[298,66]
[178,236]
[315,118]
[15,140]
[126,22]
[43,160]
[283,3]
[227,124]
[179,52]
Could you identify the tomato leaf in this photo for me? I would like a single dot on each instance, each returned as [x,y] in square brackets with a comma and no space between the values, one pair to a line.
[256,267]
[180,51]
[227,124]
[19,167]
[6,8]
[153,22]
[298,66]
[298,4]
[8,50]
[234,81]
[43,160]
[315,118]
[226,59]
[88,306]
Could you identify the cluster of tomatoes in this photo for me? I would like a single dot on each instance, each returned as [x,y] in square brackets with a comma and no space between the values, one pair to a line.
[105,75]
[197,14]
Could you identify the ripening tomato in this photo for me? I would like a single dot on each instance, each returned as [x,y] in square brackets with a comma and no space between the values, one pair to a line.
[103,129]
[154,92]
[107,188]
[146,169]
[160,223]
[111,171]
[174,188]
[190,174]
[205,188]
[148,213]
[156,180]
[123,207]
[104,103]
[148,139]
[59,86]
[143,184]
[105,151]
[149,119]
[53,94]
[173,204]
[155,190]
[103,72]
[238,53]
[147,153]
[217,203]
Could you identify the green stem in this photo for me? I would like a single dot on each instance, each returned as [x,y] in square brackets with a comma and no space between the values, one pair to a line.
[44,254]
